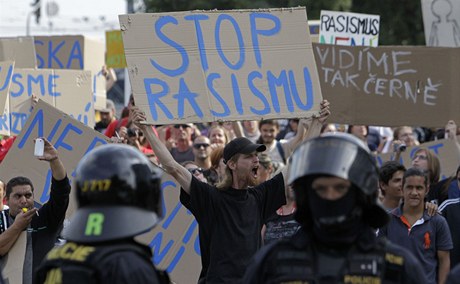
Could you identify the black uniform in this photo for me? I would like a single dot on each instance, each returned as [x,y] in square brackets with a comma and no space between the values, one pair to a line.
[303,260]
[115,262]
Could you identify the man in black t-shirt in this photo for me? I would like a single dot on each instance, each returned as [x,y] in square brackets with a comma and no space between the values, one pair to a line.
[231,214]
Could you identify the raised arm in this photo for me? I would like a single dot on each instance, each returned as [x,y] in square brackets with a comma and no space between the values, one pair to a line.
[451,131]
[313,130]
[50,154]
[181,174]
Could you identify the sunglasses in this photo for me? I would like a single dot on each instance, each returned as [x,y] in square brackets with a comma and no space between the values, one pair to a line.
[177,126]
[420,157]
[199,145]
[196,170]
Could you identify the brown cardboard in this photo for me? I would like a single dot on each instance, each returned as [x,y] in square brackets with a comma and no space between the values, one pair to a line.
[18,49]
[218,90]
[115,52]
[13,261]
[74,52]
[6,73]
[362,95]
[445,149]
[71,138]
[68,90]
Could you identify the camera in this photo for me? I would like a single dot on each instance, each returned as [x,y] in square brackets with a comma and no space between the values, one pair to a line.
[400,147]
[131,132]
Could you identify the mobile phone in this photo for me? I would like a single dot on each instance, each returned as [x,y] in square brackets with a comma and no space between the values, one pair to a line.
[39,147]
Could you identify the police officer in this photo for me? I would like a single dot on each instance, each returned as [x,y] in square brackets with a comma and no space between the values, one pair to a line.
[335,180]
[119,197]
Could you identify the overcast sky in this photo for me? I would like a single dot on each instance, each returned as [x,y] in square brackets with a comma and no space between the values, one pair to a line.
[86,17]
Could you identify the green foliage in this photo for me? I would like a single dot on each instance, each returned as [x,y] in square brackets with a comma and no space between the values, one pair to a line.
[400,20]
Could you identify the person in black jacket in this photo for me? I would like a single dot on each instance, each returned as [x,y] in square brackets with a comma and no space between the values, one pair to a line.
[119,197]
[41,226]
[335,180]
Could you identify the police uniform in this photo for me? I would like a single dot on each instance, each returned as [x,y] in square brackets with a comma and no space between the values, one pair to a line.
[337,241]
[119,196]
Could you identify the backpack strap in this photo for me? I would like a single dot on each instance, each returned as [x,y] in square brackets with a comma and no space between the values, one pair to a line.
[281,151]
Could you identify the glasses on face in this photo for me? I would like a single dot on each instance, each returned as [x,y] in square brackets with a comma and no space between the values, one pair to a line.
[199,145]
[420,157]
[177,126]
[195,171]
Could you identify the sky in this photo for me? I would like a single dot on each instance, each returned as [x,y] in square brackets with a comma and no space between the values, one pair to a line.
[82,17]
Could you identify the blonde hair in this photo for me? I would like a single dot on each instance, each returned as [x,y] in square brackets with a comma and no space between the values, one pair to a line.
[227,180]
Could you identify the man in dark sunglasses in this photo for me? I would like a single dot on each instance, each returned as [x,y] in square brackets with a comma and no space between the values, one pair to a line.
[183,150]
[202,152]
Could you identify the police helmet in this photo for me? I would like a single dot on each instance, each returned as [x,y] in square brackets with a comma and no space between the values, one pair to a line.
[118,195]
[341,155]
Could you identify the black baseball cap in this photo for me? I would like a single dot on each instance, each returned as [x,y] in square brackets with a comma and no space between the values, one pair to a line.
[241,145]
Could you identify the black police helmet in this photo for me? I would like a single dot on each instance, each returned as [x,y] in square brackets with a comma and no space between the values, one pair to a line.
[340,155]
[118,194]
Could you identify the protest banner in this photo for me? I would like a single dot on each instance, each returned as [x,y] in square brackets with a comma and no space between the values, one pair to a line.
[70,137]
[115,53]
[344,28]
[445,149]
[74,52]
[441,22]
[6,73]
[68,90]
[390,86]
[21,50]
[13,262]
[221,65]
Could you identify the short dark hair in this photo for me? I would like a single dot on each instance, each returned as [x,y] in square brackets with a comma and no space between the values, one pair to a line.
[269,122]
[388,169]
[17,181]
[414,172]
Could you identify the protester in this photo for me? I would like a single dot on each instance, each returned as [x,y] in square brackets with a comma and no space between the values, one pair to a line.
[119,196]
[390,184]
[427,237]
[232,213]
[335,182]
[43,225]
[450,209]
[107,116]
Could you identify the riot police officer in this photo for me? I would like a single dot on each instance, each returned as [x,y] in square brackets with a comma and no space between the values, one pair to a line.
[335,181]
[119,197]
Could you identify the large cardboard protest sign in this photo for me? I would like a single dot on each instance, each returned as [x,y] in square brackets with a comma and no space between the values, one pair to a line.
[6,73]
[343,28]
[70,137]
[115,52]
[68,90]
[13,262]
[441,19]
[174,241]
[18,49]
[390,86]
[445,149]
[221,65]
[74,52]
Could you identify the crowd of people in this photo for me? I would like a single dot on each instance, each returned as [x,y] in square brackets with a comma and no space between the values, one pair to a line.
[309,193]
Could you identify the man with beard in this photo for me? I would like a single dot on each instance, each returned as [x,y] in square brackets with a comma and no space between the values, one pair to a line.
[335,181]
[107,116]
[231,214]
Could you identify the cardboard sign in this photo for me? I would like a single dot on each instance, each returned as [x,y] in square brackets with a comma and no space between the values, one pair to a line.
[70,137]
[18,49]
[441,19]
[341,28]
[174,241]
[6,73]
[68,90]
[115,52]
[390,86]
[74,52]
[445,149]
[13,261]
[221,65]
